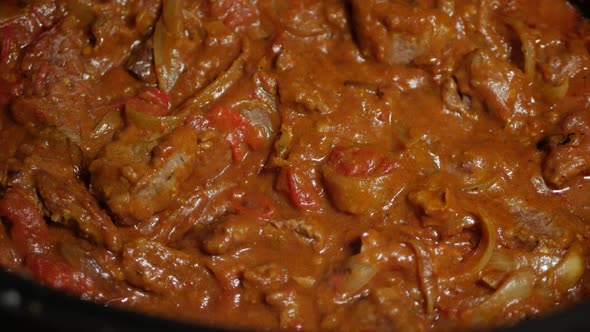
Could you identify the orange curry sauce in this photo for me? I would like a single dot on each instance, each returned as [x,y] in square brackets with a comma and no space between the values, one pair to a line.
[338,165]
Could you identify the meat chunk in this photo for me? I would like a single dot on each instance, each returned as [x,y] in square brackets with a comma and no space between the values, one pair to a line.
[399,34]
[23,29]
[306,231]
[50,169]
[68,201]
[362,180]
[502,87]
[292,307]
[162,270]
[534,226]
[138,177]
[441,209]
[141,64]
[569,152]
[31,235]
[54,66]
[230,233]
[55,56]
[299,83]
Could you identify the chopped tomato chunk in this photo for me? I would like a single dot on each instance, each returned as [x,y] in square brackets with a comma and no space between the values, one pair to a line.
[151,101]
[60,276]
[28,229]
[6,45]
[238,130]
[254,204]
[301,189]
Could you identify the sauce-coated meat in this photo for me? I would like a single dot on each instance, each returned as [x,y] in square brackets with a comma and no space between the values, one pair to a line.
[300,165]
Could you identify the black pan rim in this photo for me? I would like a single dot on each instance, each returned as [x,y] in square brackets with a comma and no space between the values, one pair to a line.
[30,305]
[27,304]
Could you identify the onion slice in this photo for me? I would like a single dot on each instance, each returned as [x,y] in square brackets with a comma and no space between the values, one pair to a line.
[167,39]
[528,47]
[517,287]
[359,275]
[428,282]
[568,272]
[219,86]
[152,123]
[474,264]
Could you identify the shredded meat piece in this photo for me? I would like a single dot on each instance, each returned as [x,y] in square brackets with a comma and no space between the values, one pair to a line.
[68,200]
[300,165]
[569,154]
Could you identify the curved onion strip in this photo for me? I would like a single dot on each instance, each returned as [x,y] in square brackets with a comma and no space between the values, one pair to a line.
[555,93]
[426,273]
[258,114]
[360,275]
[152,123]
[476,262]
[516,288]
[482,185]
[218,87]
[168,33]
[110,122]
[503,261]
[568,272]
[528,48]
[172,16]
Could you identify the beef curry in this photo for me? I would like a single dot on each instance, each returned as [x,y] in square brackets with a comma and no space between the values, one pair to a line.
[338,165]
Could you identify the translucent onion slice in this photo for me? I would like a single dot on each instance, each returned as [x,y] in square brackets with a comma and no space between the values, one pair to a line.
[167,39]
[152,123]
[569,271]
[172,16]
[518,287]
[556,93]
[474,264]
[360,275]
[428,282]
[219,86]
[528,47]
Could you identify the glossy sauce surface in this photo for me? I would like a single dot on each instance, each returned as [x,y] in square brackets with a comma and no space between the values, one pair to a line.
[339,165]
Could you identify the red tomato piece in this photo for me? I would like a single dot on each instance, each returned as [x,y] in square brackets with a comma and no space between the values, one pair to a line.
[239,130]
[301,189]
[60,276]
[238,149]
[156,96]
[41,75]
[7,37]
[29,231]
[254,204]
[229,119]
[152,102]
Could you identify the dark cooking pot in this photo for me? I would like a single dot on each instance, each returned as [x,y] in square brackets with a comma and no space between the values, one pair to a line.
[26,305]
[29,306]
